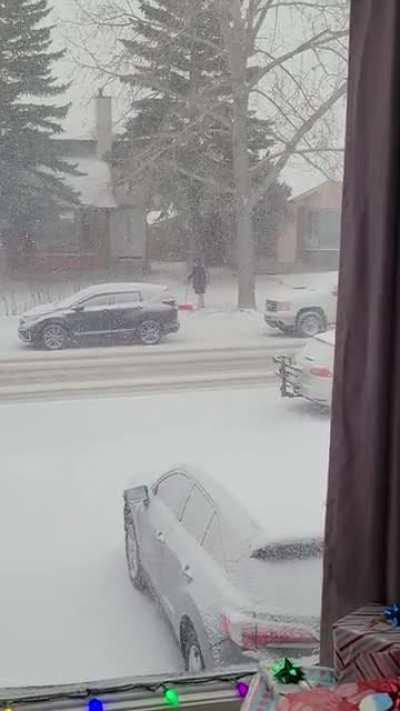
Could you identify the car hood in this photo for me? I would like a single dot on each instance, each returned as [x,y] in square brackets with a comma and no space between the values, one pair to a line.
[41,310]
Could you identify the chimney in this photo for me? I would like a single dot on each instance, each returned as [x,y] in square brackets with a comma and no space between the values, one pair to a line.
[103,124]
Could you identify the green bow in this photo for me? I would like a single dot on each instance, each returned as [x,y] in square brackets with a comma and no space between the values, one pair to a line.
[287,673]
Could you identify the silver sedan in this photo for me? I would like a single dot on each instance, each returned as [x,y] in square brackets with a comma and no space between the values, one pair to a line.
[229,593]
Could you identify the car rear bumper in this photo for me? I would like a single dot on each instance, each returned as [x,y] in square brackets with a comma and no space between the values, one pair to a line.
[172,327]
[232,655]
[317,390]
[295,383]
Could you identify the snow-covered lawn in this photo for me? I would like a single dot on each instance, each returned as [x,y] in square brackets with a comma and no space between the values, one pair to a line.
[67,610]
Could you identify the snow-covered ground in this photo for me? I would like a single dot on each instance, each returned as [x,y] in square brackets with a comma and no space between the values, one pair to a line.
[67,610]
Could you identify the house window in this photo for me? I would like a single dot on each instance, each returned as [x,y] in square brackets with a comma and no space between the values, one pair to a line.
[322,230]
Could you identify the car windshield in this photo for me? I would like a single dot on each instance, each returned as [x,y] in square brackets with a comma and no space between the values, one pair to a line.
[178,165]
[75,298]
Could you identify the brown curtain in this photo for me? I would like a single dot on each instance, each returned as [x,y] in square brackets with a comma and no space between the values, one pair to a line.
[362,554]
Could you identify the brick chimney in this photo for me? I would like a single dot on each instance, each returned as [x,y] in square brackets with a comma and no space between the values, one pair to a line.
[104,135]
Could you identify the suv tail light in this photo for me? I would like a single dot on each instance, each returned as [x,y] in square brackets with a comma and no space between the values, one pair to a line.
[252,633]
[321,372]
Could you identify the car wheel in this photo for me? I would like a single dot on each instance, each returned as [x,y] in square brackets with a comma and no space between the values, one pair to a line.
[54,337]
[135,569]
[309,324]
[150,332]
[191,650]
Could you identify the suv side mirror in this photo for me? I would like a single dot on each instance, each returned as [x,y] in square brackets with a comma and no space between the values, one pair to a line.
[138,494]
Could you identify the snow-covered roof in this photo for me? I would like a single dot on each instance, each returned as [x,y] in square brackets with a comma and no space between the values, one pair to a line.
[111,287]
[95,185]
[257,518]
[149,291]
[301,194]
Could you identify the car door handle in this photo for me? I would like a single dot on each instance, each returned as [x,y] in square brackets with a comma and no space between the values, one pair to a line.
[160,537]
[187,573]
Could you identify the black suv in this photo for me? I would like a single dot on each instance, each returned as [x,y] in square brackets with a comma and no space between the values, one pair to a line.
[110,312]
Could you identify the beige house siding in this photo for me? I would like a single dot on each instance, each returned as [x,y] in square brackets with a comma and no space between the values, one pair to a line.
[295,249]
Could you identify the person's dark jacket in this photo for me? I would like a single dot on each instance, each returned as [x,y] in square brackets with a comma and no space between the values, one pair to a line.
[198,277]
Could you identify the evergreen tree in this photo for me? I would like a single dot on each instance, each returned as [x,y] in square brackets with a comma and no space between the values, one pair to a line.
[31,168]
[181,131]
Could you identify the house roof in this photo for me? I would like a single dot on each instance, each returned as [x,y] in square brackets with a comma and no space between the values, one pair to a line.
[94,186]
[297,197]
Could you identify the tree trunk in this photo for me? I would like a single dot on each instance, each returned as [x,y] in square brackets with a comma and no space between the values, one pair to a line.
[196,242]
[241,163]
[244,224]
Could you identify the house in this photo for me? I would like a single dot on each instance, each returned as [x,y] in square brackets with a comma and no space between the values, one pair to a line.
[107,230]
[310,239]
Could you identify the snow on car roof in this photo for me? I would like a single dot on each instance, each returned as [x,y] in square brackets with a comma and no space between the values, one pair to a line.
[149,290]
[124,286]
[110,288]
[284,515]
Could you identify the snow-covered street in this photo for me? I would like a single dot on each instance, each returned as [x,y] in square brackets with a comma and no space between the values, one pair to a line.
[67,609]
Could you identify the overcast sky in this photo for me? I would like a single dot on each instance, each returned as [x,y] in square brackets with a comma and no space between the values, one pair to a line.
[80,119]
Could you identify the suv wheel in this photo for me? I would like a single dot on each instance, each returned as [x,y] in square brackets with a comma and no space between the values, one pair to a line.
[132,554]
[54,337]
[309,324]
[191,650]
[150,332]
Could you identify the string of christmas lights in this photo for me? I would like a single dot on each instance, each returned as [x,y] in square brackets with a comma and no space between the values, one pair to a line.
[95,696]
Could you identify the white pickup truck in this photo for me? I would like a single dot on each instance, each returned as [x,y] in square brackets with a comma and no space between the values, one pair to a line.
[303,309]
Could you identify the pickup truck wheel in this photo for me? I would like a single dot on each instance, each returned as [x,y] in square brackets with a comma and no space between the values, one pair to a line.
[135,569]
[309,324]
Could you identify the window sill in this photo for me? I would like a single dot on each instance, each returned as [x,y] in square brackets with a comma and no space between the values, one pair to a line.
[206,692]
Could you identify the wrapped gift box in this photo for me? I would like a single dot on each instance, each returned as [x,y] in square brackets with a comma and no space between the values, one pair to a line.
[366,646]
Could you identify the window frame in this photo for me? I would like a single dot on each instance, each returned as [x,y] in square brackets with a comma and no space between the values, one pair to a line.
[121,304]
[154,490]
[213,506]
[312,231]
[87,300]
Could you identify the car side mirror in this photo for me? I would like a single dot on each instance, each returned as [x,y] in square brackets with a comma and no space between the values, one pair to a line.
[138,494]
[78,308]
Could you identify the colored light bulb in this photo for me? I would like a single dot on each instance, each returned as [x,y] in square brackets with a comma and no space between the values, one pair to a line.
[96,705]
[243,689]
[172,698]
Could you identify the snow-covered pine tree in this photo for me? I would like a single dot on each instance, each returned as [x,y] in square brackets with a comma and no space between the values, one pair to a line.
[181,132]
[31,169]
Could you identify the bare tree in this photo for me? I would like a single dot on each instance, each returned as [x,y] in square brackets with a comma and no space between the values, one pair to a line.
[287,60]
[300,81]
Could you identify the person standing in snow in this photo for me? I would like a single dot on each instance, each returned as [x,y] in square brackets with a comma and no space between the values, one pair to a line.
[198,277]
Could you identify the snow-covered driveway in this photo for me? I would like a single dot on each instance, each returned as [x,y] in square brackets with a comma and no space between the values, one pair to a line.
[67,610]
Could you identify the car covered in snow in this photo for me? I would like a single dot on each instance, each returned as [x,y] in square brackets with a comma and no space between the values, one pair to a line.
[105,312]
[303,309]
[235,580]
[309,374]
